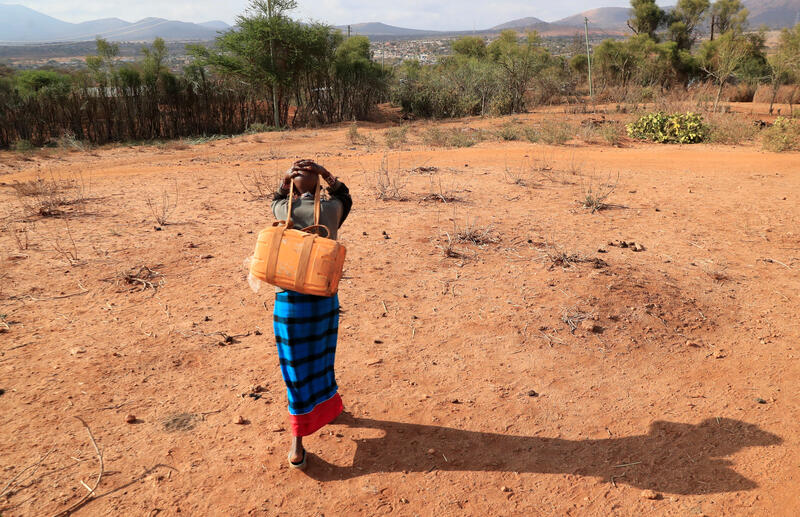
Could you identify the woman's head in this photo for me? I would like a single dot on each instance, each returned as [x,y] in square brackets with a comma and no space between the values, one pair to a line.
[305,182]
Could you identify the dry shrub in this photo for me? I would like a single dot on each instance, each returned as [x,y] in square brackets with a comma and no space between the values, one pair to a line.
[556,132]
[509,132]
[69,142]
[439,193]
[67,248]
[731,129]
[595,197]
[560,257]
[396,137]
[784,135]
[163,206]
[788,93]
[356,138]
[139,278]
[470,233]
[21,234]
[48,196]
[386,184]
[260,185]
[517,176]
[438,137]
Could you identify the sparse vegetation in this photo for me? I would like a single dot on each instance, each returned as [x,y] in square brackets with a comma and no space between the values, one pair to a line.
[595,197]
[354,137]
[48,196]
[387,185]
[784,135]
[731,129]
[439,137]
[509,132]
[439,193]
[259,185]
[396,137]
[556,132]
[163,207]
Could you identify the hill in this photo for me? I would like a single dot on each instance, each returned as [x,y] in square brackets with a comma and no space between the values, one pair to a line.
[775,14]
[382,29]
[522,23]
[19,24]
[610,18]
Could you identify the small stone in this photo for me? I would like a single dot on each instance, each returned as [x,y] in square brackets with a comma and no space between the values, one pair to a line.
[637,247]
[404,500]
[157,228]
[693,344]
[532,393]
[206,257]
[760,400]
[455,401]
[650,494]
[130,419]
[240,420]
[258,389]
[431,451]
[719,354]
[77,351]
[505,489]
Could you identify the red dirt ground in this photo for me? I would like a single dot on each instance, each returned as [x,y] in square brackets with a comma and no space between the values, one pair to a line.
[468,392]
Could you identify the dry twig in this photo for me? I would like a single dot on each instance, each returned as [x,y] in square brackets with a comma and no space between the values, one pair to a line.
[101,471]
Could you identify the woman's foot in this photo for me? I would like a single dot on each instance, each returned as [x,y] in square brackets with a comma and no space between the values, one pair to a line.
[297,454]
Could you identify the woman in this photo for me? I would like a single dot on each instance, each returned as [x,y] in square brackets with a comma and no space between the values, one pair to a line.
[306,326]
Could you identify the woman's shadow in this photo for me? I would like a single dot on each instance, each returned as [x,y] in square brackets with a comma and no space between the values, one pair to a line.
[672,457]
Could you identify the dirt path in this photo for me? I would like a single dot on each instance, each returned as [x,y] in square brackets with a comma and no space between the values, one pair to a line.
[547,371]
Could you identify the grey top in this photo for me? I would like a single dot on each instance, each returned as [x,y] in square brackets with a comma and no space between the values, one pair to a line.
[330,213]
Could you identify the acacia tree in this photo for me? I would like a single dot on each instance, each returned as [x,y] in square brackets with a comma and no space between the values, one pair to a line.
[721,59]
[728,15]
[685,20]
[785,63]
[519,62]
[646,17]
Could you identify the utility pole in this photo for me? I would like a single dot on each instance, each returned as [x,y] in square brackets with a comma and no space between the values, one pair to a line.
[348,32]
[589,60]
[275,111]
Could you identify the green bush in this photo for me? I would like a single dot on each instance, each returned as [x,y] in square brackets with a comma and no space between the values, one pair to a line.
[260,127]
[508,132]
[23,146]
[556,132]
[396,137]
[437,137]
[784,135]
[669,128]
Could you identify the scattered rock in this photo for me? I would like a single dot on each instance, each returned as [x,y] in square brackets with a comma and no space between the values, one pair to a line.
[404,500]
[591,326]
[258,389]
[192,245]
[455,401]
[431,451]
[206,257]
[130,419]
[693,344]
[240,420]
[650,494]
[2,392]
[378,342]
[719,354]
[760,400]
[77,351]
[532,393]
[505,489]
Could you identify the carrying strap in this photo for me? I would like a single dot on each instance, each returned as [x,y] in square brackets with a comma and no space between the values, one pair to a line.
[317,203]
[302,264]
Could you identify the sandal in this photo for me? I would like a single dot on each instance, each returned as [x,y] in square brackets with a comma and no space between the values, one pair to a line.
[303,463]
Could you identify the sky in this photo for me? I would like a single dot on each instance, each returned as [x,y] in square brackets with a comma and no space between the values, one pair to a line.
[416,14]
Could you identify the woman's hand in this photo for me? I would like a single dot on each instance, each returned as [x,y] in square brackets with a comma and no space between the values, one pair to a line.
[291,174]
[310,166]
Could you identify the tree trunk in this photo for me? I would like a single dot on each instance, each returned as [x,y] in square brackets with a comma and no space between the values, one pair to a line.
[719,94]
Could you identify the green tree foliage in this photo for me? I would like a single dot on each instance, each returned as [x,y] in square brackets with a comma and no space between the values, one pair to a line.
[784,64]
[646,17]
[470,46]
[503,77]
[327,77]
[684,21]
[32,82]
[102,66]
[727,15]
[722,58]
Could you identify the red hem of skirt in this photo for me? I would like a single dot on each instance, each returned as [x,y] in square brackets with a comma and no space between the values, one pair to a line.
[322,415]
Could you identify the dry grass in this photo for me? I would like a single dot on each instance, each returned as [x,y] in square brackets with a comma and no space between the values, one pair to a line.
[163,206]
[66,248]
[466,137]
[439,193]
[260,185]
[470,233]
[387,185]
[595,197]
[560,257]
[731,129]
[139,278]
[356,138]
[396,137]
[49,196]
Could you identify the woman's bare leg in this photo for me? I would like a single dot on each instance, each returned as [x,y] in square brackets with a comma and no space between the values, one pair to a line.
[296,451]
